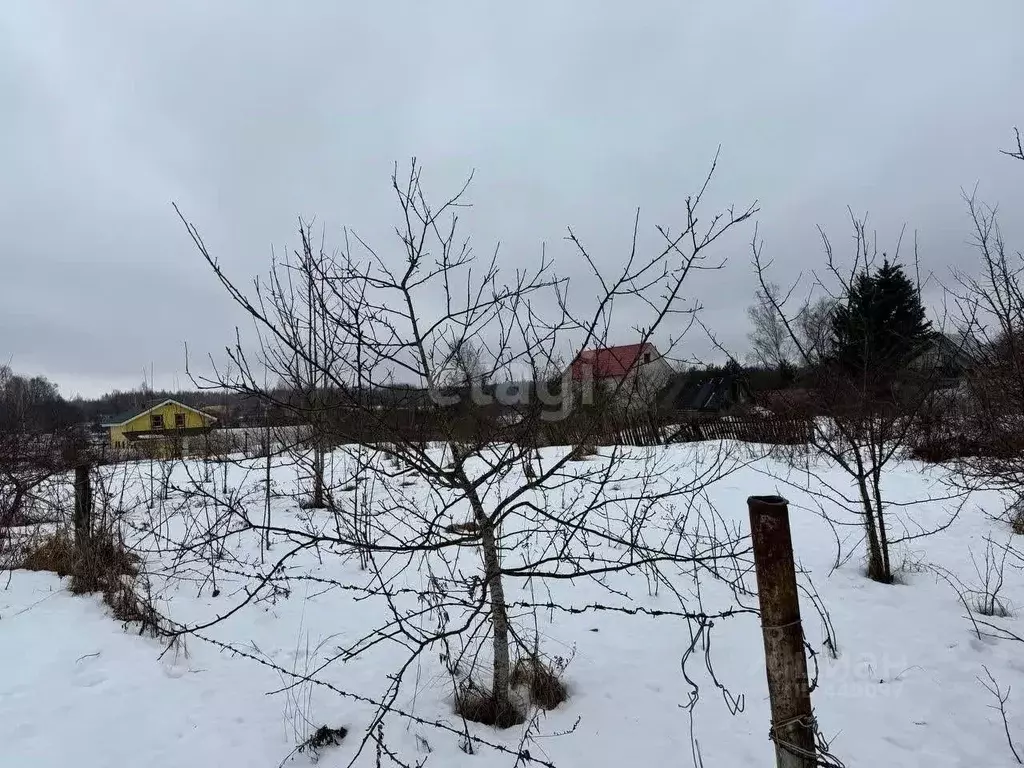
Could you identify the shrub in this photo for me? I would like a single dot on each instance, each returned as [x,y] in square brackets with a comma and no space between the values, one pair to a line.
[939,450]
[102,564]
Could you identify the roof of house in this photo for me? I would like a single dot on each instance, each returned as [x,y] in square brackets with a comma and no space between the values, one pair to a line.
[702,393]
[609,362]
[960,349]
[124,418]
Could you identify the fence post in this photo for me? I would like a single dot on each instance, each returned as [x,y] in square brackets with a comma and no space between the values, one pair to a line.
[83,505]
[786,665]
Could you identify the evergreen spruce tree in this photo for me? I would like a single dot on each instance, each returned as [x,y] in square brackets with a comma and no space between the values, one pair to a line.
[882,324]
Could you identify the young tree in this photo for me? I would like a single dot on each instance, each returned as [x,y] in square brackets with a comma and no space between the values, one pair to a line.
[435,309]
[863,397]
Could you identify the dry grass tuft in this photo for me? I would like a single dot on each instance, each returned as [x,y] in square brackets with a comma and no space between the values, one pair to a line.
[583,452]
[129,606]
[105,566]
[541,681]
[55,554]
[478,705]
[1017,519]
[103,560]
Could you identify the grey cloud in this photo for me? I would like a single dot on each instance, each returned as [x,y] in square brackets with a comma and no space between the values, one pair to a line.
[251,114]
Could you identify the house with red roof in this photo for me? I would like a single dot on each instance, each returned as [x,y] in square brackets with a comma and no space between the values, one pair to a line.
[633,372]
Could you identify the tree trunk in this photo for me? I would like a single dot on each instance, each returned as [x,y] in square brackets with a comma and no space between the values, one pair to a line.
[505,713]
[266,510]
[318,476]
[876,565]
[14,512]
[883,536]
[528,457]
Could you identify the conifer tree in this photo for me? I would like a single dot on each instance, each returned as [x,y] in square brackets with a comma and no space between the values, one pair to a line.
[882,324]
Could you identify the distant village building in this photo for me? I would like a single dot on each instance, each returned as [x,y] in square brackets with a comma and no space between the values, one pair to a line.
[635,373]
[164,428]
[696,392]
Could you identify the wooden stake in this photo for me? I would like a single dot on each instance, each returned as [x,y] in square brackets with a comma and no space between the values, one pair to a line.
[785,663]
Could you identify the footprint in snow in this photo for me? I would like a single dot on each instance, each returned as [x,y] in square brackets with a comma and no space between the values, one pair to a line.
[175,672]
[89,679]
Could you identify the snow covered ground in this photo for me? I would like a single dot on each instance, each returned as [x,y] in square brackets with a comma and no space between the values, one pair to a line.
[77,689]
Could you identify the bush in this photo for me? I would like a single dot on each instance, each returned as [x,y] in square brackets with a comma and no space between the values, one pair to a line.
[533,681]
[104,560]
[937,451]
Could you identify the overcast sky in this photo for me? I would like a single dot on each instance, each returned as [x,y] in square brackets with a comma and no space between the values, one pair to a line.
[250,114]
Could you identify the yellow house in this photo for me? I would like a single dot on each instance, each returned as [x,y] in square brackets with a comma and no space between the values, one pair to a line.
[164,427]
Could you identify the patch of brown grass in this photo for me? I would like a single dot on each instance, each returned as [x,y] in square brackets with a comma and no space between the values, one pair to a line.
[478,705]
[55,554]
[104,565]
[1017,519]
[583,452]
[104,559]
[541,681]
[104,562]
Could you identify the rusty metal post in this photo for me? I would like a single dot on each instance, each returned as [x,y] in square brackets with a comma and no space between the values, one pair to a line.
[792,718]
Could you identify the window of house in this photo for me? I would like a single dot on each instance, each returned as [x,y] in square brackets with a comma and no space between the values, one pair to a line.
[179,421]
[647,357]
[156,421]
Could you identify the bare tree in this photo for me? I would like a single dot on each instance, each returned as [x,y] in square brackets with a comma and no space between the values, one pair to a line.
[772,346]
[861,414]
[990,303]
[37,437]
[386,321]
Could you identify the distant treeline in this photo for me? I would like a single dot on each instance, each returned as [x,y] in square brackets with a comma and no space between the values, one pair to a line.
[35,402]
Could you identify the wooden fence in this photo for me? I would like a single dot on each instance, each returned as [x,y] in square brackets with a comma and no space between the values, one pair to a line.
[772,430]
[644,429]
